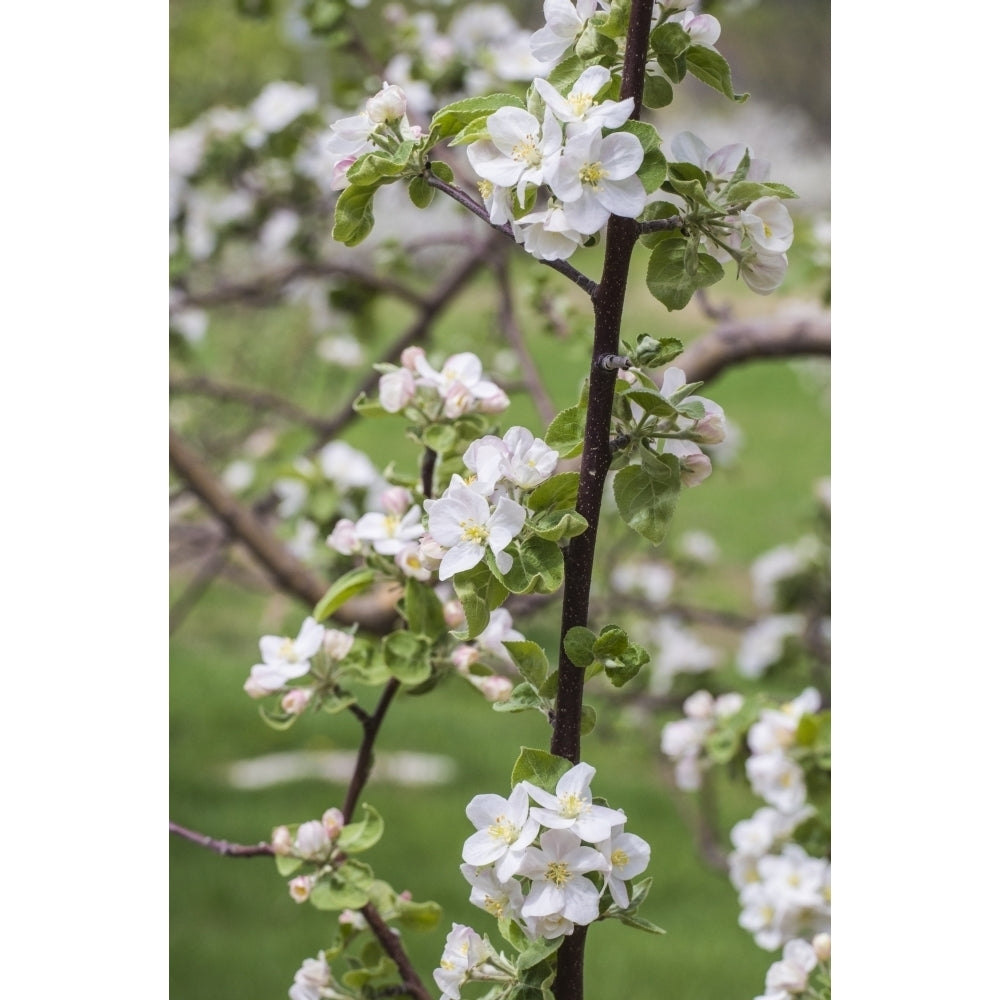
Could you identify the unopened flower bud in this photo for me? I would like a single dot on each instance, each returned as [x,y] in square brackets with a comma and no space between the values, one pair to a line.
[255,689]
[496,688]
[396,500]
[333,821]
[312,840]
[388,105]
[281,840]
[454,613]
[699,705]
[496,402]
[409,561]
[343,538]
[396,389]
[301,887]
[728,704]
[410,356]
[352,918]
[431,552]
[463,656]
[821,945]
[294,702]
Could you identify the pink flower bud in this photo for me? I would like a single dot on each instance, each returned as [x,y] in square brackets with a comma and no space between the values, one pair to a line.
[431,552]
[496,688]
[408,359]
[294,702]
[343,538]
[396,500]
[388,105]
[699,705]
[255,689]
[333,820]
[396,389]
[281,840]
[497,402]
[454,614]
[463,656]
[409,561]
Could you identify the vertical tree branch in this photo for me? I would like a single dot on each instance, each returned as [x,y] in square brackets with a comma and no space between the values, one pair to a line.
[609,302]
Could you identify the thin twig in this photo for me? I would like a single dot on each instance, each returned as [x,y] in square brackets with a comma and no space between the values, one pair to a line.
[223,847]
[394,949]
[255,399]
[366,756]
[515,337]
[197,588]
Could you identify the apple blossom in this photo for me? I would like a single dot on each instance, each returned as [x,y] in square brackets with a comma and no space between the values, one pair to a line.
[464,950]
[333,822]
[791,973]
[462,522]
[547,234]
[396,389]
[572,807]
[627,856]
[696,466]
[337,643]
[709,429]
[294,702]
[763,272]
[704,29]
[313,981]
[312,840]
[578,109]
[504,829]
[389,533]
[595,178]
[501,899]
[409,560]
[557,869]
[521,150]
[285,658]
[564,20]
[300,888]
[281,840]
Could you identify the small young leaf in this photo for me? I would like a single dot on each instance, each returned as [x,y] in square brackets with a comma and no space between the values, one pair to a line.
[540,768]
[530,659]
[364,833]
[645,502]
[579,646]
[349,585]
[711,68]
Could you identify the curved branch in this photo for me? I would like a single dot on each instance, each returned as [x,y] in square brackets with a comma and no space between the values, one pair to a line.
[564,268]
[288,572]
[255,399]
[223,847]
[750,340]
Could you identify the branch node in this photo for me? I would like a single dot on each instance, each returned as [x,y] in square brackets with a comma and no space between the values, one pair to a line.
[614,362]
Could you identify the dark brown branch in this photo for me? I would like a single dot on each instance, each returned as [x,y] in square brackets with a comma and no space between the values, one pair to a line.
[288,572]
[750,340]
[394,949]
[223,847]
[515,337]
[366,752]
[196,589]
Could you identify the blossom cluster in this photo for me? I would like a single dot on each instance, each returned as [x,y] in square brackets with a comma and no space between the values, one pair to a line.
[590,176]
[313,981]
[802,969]
[285,659]
[548,866]
[683,741]
[468,956]
[457,389]
[485,511]
[312,841]
[758,235]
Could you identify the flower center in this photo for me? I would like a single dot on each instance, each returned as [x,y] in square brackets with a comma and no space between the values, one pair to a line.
[592,173]
[558,873]
[503,829]
[472,531]
[494,906]
[579,103]
[527,152]
[485,189]
[619,859]
[287,650]
[571,805]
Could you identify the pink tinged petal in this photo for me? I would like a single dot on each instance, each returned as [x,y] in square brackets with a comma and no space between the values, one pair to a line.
[673,379]
[688,148]
[621,155]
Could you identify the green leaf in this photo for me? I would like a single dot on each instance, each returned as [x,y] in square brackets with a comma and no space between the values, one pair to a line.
[558,491]
[418,916]
[653,170]
[588,719]
[407,657]
[473,132]
[537,567]
[522,698]
[364,833]
[650,402]
[287,865]
[439,437]
[372,170]
[612,641]
[353,217]
[642,924]
[747,191]
[579,646]
[711,68]
[668,280]
[537,951]
[452,118]
[654,352]
[346,888]
[554,525]
[657,92]
[424,613]
[645,501]
[621,673]
[649,137]
[591,44]
[530,659]
[565,433]
[441,170]
[420,192]
[348,586]
[471,590]
[566,73]
[539,767]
